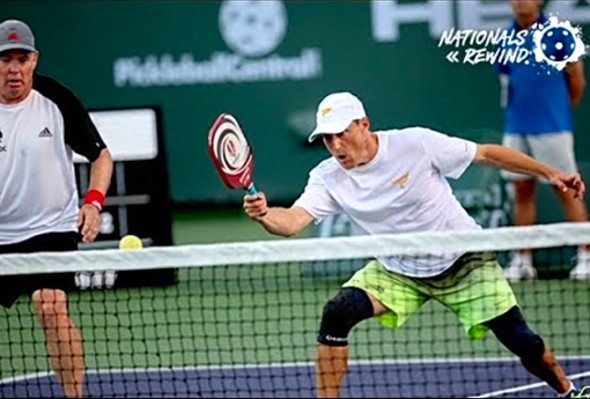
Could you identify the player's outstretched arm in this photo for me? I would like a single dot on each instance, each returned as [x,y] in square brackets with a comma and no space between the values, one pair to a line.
[285,222]
[515,161]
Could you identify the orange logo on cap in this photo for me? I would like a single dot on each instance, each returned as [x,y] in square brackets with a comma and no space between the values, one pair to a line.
[325,111]
[13,36]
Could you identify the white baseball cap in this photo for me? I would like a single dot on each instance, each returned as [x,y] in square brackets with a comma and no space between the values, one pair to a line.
[335,112]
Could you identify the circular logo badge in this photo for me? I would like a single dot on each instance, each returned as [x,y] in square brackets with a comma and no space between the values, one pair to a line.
[252,28]
[557,43]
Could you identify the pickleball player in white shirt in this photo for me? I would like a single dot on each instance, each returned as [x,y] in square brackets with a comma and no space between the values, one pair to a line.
[402,189]
[394,181]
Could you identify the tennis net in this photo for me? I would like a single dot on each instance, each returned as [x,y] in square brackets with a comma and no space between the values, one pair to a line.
[243,318]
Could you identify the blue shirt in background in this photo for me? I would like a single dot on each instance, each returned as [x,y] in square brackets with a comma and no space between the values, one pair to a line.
[538,99]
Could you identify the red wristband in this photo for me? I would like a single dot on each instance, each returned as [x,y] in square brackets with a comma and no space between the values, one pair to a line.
[94,197]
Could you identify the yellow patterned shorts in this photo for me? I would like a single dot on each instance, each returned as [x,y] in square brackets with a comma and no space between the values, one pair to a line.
[474,289]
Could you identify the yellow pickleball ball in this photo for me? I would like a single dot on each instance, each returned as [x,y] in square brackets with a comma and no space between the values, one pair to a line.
[130,242]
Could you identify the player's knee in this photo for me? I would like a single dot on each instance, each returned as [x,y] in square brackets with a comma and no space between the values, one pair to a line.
[525,190]
[514,333]
[341,313]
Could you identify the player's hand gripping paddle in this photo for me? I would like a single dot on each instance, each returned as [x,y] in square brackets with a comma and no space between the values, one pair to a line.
[230,152]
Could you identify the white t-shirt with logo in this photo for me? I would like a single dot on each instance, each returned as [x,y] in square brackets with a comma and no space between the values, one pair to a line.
[403,189]
[38,137]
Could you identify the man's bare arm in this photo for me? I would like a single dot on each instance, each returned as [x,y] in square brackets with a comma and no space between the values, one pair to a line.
[101,172]
[280,221]
[515,161]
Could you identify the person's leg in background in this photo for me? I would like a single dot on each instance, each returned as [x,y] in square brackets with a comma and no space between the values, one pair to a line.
[524,214]
[557,150]
[524,211]
[575,211]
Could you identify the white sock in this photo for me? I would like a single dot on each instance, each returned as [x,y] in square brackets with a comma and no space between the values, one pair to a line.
[583,253]
[571,388]
[524,260]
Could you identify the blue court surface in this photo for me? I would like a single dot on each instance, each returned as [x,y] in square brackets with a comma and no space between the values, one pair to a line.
[413,378]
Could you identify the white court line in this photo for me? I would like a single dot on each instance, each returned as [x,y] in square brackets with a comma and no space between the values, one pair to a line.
[527,387]
[43,374]
[24,377]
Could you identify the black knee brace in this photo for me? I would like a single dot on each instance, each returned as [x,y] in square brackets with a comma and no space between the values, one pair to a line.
[513,332]
[341,313]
